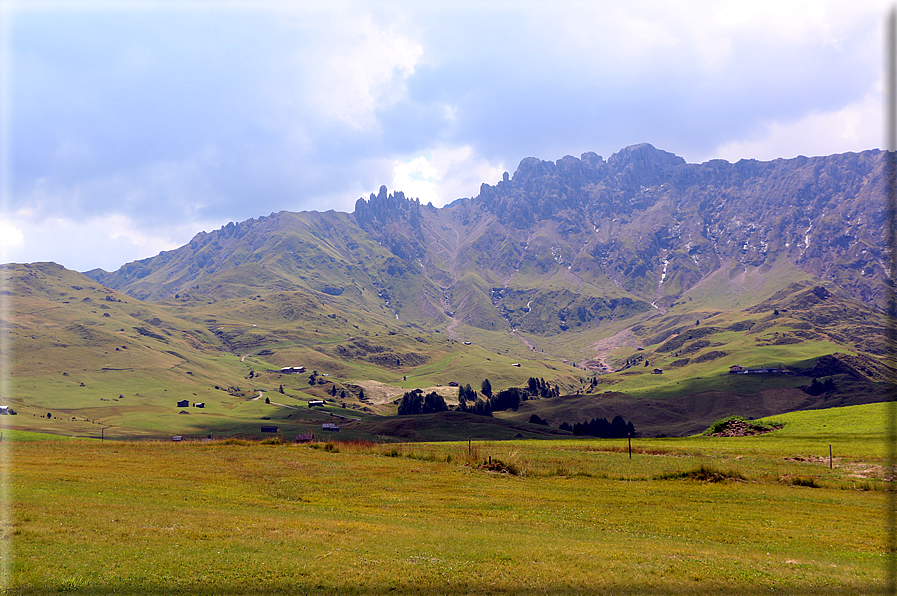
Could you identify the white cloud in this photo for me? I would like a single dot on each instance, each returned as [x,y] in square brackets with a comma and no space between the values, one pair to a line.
[107,241]
[350,67]
[855,127]
[11,239]
[444,174]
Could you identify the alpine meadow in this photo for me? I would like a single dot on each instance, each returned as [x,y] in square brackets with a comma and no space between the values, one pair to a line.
[598,376]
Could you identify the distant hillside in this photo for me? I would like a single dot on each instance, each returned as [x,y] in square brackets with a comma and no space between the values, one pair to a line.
[640,274]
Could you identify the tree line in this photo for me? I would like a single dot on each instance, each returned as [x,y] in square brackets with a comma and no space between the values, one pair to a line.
[415,402]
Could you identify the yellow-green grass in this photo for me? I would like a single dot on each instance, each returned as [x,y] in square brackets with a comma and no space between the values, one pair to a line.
[580,517]
[848,420]
[736,286]
[712,375]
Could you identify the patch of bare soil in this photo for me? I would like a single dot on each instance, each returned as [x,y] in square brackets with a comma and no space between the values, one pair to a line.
[856,469]
[603,348]
[865,470]
[813,459]
[379,393]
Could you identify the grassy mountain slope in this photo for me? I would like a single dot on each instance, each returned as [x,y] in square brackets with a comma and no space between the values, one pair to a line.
[585,272]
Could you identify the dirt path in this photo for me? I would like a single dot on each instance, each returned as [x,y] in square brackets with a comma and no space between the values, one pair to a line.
[274,403]
[258,397]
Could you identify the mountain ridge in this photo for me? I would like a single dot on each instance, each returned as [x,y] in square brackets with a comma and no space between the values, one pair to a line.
[627,283]
[644,224]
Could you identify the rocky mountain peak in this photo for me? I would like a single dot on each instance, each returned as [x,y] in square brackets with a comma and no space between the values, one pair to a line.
[393,220]
[385,207]
[643,164]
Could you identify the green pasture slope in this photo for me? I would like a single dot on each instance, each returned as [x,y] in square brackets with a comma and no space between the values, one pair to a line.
[696,515]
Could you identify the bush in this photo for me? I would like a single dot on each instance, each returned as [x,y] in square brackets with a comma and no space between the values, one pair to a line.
[497,465]
[807,481]
[702,474]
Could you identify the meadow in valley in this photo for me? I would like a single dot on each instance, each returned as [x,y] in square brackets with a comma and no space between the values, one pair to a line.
[692,515]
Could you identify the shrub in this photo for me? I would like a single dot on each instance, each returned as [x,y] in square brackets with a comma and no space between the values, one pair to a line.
[497,465]
[702,474]
[807,481]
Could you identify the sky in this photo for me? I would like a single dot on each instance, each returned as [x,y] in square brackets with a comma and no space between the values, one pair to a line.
[128,127]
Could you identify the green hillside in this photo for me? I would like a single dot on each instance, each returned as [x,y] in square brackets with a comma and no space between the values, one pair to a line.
[92,358]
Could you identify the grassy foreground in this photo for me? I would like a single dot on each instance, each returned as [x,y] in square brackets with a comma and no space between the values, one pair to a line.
[684,516]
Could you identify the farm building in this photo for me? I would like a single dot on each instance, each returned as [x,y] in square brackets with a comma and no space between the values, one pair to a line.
[315,402]
[305,438]
[330,426]
[184,403]
[269,429]
[199,405]
[292,370]
[734,370]
[657,371]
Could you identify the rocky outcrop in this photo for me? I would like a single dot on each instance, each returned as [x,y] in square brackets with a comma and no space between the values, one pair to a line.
[394,221]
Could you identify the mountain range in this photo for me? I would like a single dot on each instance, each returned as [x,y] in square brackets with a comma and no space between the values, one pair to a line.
[587,269]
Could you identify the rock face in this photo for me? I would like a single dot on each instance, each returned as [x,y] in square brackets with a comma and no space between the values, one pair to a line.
[393,221]
[656,216]
[558,246]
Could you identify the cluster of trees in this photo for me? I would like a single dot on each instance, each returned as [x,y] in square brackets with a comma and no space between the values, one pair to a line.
[415,402]
[538,387]
[334,391]
[468,401]
[600,427]
[507,399]
[817,388]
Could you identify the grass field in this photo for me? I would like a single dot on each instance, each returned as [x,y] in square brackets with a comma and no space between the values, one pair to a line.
[681,516]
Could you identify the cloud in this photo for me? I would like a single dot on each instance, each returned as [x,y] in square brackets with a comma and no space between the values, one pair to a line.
[106,241]
[174,117]
[444,174]
[11,239]
[855,127]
